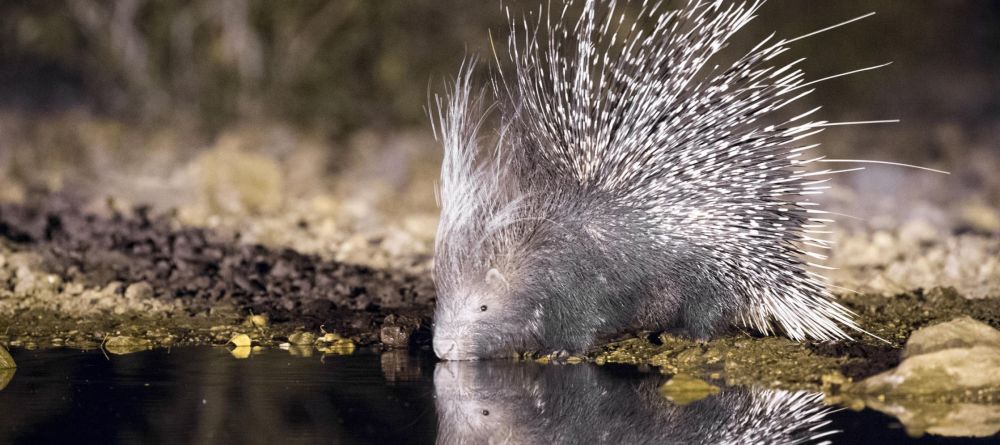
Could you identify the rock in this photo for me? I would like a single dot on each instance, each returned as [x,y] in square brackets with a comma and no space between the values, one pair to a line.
[121,345]
[241,341]
[395,336]
[981,216]
[397,332]
[258,320]
[954,370]
[6,361]
[333,343]
[953,357]
[302,338]
[331,338]
[963,332]
[139,291]
[947,368]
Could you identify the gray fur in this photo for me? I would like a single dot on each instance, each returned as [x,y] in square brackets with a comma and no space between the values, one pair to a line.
[632,184]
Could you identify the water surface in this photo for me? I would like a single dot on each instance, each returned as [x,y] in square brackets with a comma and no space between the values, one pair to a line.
[205,395]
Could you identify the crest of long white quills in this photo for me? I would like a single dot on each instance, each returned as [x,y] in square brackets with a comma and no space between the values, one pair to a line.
[629,98]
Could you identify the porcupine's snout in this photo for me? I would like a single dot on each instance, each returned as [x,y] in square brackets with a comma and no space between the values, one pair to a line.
[452,348]
[452,344]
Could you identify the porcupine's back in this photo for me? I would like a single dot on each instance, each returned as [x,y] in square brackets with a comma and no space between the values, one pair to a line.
[633,137]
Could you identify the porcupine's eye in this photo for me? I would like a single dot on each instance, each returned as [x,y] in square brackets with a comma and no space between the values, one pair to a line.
[482,308]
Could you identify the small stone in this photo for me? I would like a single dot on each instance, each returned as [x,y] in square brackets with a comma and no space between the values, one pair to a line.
[258,320]
[333,343]
[302,338]
[74,288]
[139,291]
[53,281]
[241,341]
[111,289]
[330,337]
[395,336]
[121,345]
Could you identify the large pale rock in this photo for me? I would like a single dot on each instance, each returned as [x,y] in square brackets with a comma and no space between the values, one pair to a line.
[943,386]
[943,372]
[948,358]
[961,332]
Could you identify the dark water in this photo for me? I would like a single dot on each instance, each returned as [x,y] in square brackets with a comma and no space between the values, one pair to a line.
[204,395]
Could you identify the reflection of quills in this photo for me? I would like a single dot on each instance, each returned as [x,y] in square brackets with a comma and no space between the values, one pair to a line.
[633,185]
[526,403]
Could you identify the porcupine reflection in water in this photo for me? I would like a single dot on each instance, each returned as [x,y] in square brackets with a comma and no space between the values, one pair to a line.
[204,395]
[526,403]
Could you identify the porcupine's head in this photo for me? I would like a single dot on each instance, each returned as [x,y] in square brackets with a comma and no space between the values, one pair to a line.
[506,268]
[474,297]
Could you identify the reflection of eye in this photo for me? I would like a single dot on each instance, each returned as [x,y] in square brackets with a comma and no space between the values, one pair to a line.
[486,412]
[482,308]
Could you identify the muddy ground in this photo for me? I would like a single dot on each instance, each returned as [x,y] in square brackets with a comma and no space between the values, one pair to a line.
[83,277]
[73,278]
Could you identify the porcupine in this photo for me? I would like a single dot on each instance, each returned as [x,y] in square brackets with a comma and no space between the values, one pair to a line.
[632,185]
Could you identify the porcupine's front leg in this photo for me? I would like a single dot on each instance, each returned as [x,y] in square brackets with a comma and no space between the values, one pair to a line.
[688,306]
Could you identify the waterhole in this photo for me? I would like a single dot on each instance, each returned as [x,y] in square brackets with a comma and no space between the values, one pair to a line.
[208,395]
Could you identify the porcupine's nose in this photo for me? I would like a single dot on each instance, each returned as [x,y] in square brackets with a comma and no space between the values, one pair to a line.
[447,348]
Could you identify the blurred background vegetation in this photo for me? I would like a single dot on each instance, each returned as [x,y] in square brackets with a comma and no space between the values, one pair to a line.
[346,64]
[337,65]
[131,89]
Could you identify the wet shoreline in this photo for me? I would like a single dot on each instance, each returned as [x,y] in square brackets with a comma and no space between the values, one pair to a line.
[144,277]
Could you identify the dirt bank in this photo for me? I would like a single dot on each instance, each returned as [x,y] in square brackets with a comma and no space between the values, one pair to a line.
[140,268]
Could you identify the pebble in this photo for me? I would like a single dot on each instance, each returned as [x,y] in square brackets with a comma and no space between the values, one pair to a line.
[122,344]
[302,338]
[241,341]
[139,291]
